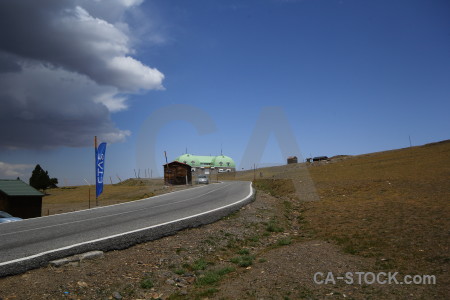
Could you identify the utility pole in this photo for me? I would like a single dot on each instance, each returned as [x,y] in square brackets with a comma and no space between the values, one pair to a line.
[89,192]
[167,168]
[95,162]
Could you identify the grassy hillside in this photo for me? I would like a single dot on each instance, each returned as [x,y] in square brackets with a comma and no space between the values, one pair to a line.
[393,206]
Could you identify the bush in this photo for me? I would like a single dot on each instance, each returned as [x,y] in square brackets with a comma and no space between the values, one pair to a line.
[243,252]
[200,264]
[213,277]
[284,241]
[243,260]
[146,283]
[273,227]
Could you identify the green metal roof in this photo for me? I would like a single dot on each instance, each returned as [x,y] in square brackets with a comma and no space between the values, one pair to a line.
[224,162]
[196,161]
[18,188]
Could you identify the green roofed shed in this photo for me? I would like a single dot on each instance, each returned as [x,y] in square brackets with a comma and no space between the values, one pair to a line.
[20,199]
[18,188]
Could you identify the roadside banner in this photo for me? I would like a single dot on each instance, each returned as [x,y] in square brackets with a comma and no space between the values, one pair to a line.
[99,167]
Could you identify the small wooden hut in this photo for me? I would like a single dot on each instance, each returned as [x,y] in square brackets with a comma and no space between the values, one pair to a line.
[320,158]
[19,199]
[292,160]
[177,173]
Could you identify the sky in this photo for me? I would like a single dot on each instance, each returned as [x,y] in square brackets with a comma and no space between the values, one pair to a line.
[255,80]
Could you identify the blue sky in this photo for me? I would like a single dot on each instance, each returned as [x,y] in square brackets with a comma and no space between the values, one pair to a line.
[351,77]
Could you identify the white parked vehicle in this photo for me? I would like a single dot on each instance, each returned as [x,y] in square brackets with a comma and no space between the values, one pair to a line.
[6,218]
[202,179]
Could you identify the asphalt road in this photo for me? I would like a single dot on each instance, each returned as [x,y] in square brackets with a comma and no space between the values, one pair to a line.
[32,243]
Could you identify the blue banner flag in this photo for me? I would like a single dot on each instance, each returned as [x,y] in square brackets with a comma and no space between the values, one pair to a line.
[99,167]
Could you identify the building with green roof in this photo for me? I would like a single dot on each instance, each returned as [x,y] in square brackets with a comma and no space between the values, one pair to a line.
[206,164]
[20,199]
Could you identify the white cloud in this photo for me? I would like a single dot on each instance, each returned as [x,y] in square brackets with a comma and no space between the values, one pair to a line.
[130,2]
[108,46]
[112,101]
[14,170]
[134,74]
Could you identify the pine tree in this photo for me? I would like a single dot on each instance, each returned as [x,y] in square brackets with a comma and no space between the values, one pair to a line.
[37,176]
[40,179]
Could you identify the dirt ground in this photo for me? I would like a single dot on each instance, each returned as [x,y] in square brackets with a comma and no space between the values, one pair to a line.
[380,212]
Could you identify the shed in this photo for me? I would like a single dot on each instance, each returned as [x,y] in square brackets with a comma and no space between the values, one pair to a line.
[319,158]
[292,160]
[177,172]
[20,199]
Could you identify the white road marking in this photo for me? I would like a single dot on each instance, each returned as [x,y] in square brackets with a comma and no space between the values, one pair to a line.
[112,215]
[125,233]
[99,207]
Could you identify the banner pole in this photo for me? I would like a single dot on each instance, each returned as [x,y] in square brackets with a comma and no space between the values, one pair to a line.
[95,162]
[168,170]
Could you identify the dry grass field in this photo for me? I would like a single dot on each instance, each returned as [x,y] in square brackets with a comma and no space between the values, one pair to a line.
[393,206]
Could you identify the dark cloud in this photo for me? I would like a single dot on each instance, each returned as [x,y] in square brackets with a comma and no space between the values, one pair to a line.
[45,108]
[8,63]
[63,70]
